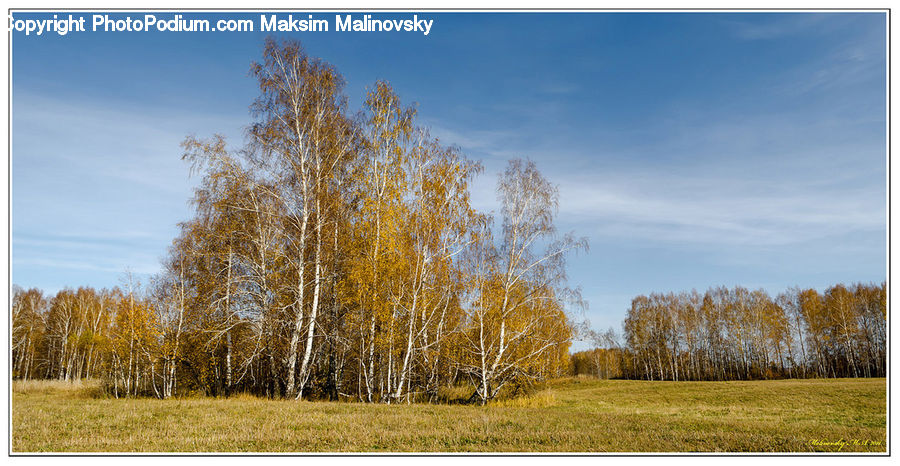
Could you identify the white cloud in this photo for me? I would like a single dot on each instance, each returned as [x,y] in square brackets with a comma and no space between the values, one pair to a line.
[717,212]
[132,145]
[97,188]
[763,180]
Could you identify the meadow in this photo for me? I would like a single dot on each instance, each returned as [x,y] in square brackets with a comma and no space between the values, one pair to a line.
[567,415]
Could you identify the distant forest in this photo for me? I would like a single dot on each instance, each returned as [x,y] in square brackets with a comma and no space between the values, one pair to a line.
[336,255]
[738,334]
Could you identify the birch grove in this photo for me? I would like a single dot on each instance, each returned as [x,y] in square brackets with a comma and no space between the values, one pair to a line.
[738,334]
[328,258]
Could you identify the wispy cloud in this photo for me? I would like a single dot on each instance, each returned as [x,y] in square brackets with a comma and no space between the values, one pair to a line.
[775,27]
[132,145]
[717,212]
[701,177]
[99,251]
[477,140]
[92,265]
[98,187]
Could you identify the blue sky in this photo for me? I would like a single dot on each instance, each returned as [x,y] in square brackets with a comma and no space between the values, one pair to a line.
[693,149]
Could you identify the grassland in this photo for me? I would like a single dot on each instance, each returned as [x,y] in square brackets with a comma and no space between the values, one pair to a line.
[570,415]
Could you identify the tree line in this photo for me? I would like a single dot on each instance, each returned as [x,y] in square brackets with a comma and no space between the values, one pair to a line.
[738,334]
[334,255]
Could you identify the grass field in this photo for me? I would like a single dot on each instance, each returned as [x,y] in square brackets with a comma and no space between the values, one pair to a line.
[570,415]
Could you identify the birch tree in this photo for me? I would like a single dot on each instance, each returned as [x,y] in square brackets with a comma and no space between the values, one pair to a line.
[518,315]
[299,138]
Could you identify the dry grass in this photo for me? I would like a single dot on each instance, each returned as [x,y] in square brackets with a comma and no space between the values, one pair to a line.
[78,389]
[570,415]
[542,399]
